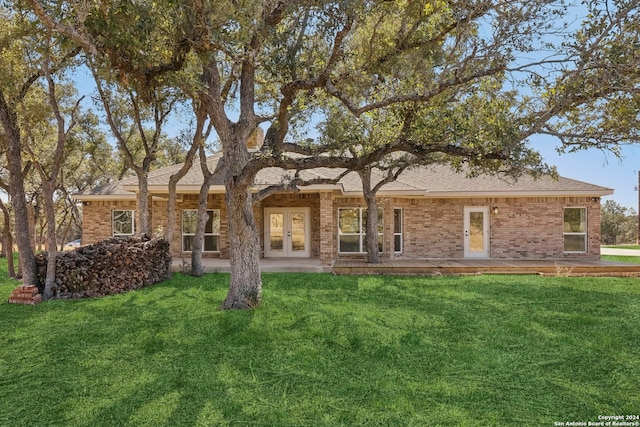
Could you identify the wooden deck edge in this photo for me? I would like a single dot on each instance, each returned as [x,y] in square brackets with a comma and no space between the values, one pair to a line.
[599,271]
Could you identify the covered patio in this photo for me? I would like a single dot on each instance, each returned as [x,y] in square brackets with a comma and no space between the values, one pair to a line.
[550,267]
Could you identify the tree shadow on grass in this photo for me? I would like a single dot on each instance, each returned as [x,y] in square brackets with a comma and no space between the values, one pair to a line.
[130,359]
[370,350]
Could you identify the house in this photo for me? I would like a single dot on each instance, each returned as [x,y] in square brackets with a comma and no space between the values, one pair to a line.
[430,212]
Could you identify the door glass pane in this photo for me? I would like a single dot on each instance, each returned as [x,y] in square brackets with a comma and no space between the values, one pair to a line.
[276,231]
[476,231]
[297,232]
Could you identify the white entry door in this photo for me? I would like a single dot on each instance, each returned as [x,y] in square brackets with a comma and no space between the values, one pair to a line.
[286,232]
[476,232]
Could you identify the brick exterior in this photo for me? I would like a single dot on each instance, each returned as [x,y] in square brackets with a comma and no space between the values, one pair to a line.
[432,228]
[97,218]
[326,218]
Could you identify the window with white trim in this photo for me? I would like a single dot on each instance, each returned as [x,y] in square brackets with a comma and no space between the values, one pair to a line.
[575,230]
[352,229]
[123,223]
[211,230]
[397,231]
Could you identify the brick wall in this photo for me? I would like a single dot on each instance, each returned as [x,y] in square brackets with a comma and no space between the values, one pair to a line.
[522,228]
[97,217]
[432,228]
[533,228]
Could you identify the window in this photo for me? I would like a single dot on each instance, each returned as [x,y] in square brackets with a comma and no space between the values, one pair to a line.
[211,230]
[123,223]
[575,230]
[352,229]
[397,231]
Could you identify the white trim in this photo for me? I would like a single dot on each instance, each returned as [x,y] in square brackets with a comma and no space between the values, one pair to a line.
[361,234]
[585,233]
[394,193]
[468,253]
[510,194]
[287,217]
[103,197]
[220,189]
[183,234]
[133,222]
[401,233]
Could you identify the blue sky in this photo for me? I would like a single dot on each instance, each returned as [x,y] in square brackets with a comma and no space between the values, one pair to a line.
[597,167]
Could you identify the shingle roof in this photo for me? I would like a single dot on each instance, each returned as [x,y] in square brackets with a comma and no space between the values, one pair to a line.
[430,181]
[111,190]
[442,180]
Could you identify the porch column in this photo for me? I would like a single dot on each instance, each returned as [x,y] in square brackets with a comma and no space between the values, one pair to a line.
[326,228]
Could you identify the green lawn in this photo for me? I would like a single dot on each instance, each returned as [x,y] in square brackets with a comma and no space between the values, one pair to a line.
[326,350]
[622,246]
[621,258]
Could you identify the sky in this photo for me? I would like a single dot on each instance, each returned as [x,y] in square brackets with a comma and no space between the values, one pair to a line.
[597,167]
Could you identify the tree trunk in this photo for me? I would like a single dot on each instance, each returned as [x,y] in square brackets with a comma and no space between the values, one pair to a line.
[171,217]
[143,225]
[65,233]
[371,237]
[196,143]
[18,198]
[7,241]
[197,269]
[52,244]
[245,288]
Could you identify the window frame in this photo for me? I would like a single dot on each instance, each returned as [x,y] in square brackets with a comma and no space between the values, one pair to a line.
[575,233]
[362,230]
[397,233]
[206,234]
[133,223]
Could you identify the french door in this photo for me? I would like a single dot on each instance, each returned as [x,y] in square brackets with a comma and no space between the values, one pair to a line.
[286,232]
[476,232]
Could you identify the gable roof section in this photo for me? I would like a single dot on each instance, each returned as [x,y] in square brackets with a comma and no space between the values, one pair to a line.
[436,181]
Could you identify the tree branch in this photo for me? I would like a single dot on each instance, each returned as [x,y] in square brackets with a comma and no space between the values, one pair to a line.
[415,97]
[293,186]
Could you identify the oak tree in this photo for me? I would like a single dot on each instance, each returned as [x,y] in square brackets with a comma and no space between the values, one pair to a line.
[278,62]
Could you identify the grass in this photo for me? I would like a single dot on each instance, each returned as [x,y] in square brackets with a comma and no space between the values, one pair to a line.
[621,258]
[622,246]
[327,350]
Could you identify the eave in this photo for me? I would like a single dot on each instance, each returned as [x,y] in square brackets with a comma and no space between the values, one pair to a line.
[513,194]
